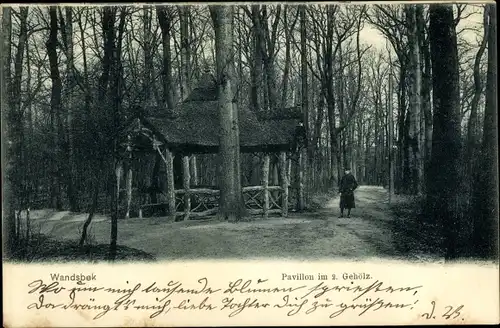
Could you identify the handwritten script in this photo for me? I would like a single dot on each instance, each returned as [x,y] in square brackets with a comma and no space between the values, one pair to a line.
[158,298]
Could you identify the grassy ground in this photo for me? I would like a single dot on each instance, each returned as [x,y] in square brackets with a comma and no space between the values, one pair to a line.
[374,230]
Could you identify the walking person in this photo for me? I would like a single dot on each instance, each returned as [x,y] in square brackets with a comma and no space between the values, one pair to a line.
[347,186]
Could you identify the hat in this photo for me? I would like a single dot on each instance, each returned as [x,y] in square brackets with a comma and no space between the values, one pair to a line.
[347,169]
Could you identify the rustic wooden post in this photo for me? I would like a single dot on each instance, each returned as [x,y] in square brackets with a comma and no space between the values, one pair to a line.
[186,182]
[284,181]
[194,171]
[265,184]
[169,163]
[289,168]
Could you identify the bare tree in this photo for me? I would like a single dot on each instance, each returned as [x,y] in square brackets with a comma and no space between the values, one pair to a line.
[289,27]
[390,115]
[486,225]
[230,198]
[473,126]
[148,56]
[391,22]
[67,34]
[165,17]
[8,212]
[56,108]
[305,95]
[185,51]
[107,96]
[443,192]
[414,132]
[257,72]
[425,91]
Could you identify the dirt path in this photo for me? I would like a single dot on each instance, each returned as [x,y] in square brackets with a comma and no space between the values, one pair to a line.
[318,235]
[368,227]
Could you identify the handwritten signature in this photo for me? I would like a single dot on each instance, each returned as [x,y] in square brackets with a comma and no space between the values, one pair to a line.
[448,312]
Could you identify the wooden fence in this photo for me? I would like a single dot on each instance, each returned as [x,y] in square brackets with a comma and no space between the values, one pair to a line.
[204,202]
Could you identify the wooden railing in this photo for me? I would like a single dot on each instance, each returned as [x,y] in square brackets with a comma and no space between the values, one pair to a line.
[255,201]
[203,202]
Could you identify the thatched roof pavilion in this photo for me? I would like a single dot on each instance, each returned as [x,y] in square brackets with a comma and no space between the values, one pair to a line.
[194,126]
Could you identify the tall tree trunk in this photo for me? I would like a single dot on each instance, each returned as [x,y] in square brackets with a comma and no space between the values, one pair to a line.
[186,70]
[9,232]
[97,163]
[55,105]
[185,53]
[16,119]
[486,225]
[286,70]
[425,91]
[316,134]
[241,39]
[148,57]
[269,56]
[376,157]
[340,98]
[71,84]
[390,118]
[230,207]
[165,20]
[88,96]
[289,27]
[473,126]
[7,52]
[107,60]
[305,95]
[110,69]
[444,191]
[402,172]
[333,88]
[21,166]
[359,151]
[257,73]
[29,176]
[261,18]
[415,162]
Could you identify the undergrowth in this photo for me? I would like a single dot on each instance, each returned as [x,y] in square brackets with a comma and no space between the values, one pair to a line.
[319,200]
[42,248]
[413,234]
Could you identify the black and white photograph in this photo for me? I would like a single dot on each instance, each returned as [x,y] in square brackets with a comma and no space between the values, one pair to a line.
[151,132]
[186,164]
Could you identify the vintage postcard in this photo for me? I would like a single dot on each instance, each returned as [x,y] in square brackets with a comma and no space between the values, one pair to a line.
[249,164]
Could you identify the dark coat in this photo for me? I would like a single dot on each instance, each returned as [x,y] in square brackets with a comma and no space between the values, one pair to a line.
[348,184]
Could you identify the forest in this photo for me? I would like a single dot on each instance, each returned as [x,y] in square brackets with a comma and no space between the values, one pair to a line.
[404,95]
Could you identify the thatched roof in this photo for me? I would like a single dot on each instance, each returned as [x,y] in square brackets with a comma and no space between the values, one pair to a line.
[206,90]
[195,125]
